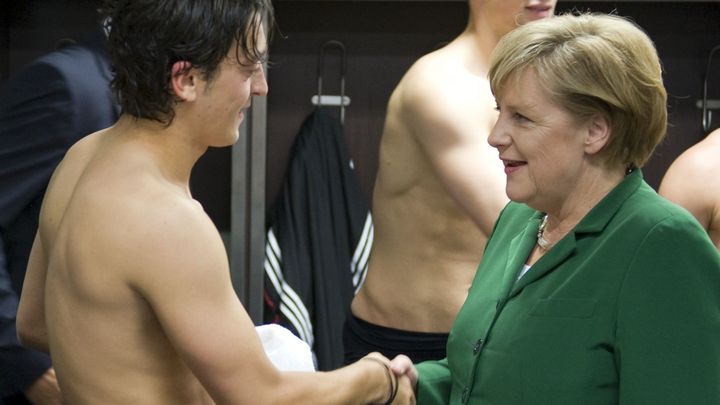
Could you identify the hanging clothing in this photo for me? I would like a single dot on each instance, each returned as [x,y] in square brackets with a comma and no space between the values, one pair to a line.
[318,242]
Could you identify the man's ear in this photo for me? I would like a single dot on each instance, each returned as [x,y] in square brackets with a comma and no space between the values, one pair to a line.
[183,81]
[598,134]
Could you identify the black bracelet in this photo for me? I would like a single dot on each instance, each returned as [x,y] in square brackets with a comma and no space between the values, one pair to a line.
[393,385]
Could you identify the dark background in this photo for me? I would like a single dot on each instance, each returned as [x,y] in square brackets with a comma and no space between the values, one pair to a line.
[382,40]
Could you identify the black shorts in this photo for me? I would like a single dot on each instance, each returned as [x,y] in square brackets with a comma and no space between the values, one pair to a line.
[361,337]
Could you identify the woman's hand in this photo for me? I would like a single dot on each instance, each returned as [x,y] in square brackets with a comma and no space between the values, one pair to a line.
[401,365]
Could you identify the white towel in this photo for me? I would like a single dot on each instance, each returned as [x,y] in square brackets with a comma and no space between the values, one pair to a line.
[286,351]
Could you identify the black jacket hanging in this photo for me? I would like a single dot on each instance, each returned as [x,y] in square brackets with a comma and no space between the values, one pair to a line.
[318,242]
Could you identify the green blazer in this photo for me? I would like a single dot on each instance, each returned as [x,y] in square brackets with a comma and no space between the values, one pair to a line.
[625,309]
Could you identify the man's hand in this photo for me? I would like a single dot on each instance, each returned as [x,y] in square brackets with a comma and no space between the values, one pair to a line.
[45,390]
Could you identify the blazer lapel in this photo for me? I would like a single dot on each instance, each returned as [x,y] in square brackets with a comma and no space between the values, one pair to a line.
[518,252]
[594,222]
[551,260]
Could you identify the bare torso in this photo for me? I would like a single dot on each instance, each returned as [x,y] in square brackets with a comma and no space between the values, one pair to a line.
[107,345]
[434,168]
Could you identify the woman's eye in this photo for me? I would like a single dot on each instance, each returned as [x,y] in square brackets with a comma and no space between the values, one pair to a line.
[520,118]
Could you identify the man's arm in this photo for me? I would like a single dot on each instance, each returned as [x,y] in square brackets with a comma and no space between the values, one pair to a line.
[21,369]
[451,121]
[31,328]
[184,275]
[32,331]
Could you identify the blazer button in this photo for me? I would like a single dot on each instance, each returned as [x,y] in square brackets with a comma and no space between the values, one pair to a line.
[477,347]
[465,394]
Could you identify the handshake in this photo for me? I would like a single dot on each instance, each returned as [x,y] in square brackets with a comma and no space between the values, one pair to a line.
[397,377]
[401,377]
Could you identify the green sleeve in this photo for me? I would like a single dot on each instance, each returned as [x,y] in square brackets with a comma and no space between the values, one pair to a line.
[668,328]
[433,382]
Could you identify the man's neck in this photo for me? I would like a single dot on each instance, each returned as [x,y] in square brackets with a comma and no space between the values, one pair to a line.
[482,36]
[172,150]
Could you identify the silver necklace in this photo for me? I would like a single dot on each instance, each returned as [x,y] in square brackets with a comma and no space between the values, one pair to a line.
[541,241]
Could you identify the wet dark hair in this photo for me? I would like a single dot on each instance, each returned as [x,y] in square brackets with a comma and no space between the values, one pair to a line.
[146,37]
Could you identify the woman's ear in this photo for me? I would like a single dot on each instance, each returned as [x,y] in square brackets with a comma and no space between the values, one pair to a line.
[183,81]
[598,134]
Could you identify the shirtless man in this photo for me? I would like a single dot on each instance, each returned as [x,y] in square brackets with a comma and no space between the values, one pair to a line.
[128,285]
[438,191]
[688,183]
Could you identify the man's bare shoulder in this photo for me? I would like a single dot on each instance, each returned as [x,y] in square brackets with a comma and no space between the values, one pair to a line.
[63,181]
[170,231]
[696,160]
[116,197]
[432,72]
[76,158]
[441,86]
[706,152]
[688,184]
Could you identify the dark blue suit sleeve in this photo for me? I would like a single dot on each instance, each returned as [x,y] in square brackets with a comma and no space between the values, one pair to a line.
[36,115]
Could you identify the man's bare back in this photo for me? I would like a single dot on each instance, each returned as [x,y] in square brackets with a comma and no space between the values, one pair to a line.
[96,257]
[690,183]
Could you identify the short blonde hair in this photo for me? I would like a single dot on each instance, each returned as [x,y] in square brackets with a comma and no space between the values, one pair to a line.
[593,64]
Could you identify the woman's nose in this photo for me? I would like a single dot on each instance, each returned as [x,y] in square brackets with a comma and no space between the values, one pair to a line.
[498,135]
